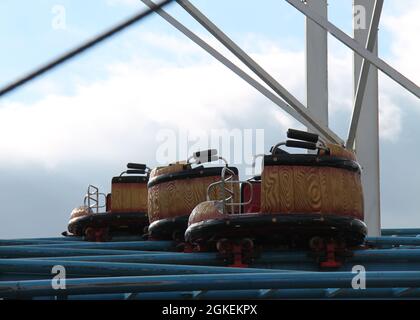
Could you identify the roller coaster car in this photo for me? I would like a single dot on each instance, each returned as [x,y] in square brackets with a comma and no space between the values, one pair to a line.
[175,190]
[300,200]
[126,208]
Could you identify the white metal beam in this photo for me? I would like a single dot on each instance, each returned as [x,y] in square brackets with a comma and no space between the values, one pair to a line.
[258,70]
[372,35]
[317,64]
[226,62]
[367,136]
[357,47]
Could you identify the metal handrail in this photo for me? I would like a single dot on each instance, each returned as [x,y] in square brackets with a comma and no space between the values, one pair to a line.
[227,200]
[91,199]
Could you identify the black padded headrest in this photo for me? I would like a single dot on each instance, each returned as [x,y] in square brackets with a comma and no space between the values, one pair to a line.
[130,179]
[311,160]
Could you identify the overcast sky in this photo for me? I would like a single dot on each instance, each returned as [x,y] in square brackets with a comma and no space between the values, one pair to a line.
[82,123]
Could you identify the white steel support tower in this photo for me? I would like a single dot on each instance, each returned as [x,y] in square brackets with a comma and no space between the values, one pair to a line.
[367,135]
[317,64]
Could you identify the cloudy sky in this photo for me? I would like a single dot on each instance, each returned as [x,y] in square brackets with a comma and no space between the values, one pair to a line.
[82,123]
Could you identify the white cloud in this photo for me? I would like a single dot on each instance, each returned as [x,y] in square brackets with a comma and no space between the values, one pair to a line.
[340,79]
[403,24]
[109,118]
[390,119]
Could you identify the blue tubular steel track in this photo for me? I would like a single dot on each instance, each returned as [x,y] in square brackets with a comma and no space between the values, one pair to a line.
[203,259]
[129,245]
[131,268]
[401,232]
[376,293]
[29,251]
[242,281]
[369,257]
[84,268]
[393,241]
[62,240]
[384,293]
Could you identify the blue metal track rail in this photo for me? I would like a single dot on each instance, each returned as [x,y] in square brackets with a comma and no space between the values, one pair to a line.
[131,268]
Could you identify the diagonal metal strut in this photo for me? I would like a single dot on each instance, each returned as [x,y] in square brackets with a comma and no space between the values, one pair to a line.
[258,70]
[364,74]
[82,48]
[226,62]
[357,47]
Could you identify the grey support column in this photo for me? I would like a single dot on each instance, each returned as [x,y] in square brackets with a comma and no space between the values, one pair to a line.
[317,64]
[367,136]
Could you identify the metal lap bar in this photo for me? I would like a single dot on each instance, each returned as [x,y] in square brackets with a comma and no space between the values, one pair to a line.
[92,198]
[278,145]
